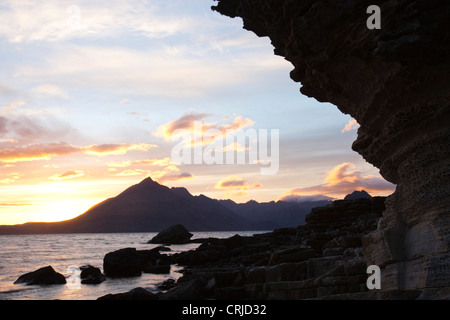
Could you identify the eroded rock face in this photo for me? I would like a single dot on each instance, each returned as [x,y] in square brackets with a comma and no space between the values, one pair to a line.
[394,82]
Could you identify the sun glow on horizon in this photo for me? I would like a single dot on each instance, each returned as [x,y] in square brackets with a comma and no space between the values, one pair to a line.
[87,112]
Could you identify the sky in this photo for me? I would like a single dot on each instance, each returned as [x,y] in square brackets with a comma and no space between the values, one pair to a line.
[95,96]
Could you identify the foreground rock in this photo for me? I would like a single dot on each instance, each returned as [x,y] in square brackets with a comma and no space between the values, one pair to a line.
[394,82]
[176,234]
[43,276]
[91,275]
[320,260]
[129,262]
[323,259]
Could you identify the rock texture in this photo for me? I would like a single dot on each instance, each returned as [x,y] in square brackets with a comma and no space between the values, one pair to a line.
[394,82]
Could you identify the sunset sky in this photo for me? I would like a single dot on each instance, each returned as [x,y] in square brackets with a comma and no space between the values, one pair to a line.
[91,93]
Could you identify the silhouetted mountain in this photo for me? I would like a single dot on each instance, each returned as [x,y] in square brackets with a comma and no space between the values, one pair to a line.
[145,207]
[272,215]
[358,195]
[151,207]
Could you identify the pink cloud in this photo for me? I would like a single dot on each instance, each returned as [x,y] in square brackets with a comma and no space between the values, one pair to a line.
[342,180]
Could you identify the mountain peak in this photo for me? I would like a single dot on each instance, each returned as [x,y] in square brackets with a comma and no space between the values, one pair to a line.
[147,180]
[358,195]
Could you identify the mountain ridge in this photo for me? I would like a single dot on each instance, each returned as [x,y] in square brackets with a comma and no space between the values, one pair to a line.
[151,207]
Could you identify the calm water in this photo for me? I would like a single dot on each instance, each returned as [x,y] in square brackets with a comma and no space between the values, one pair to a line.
[21,254]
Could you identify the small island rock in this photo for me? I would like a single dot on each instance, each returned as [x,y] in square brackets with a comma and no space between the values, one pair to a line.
[176,234]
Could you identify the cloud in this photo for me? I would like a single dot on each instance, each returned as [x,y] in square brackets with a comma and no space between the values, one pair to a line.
[29,128]
[351,125]
[131,172]
[207,131]
[49,90]
[147,70]
[30,124]
[36,152]
[342,180]
[3,124]
[151,162]
[116,149]
[186,122]
[67,175]
[233,182]
[11,178]
[236,186]
[46,151]
[175,176]
[15,204]
[57,20]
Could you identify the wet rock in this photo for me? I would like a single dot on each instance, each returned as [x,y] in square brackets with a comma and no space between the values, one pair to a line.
[123,263]
[43,276]
[176,234]
[129,262]
[91,275]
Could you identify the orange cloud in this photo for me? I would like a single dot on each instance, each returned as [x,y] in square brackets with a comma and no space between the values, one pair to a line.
[46,151]
[67,175]
[186,122]
[131,172]
[36,152]
[116,149]
[209,130]
[151,162]
[11,178]
[236,186]
[342,180]
[351,125]
[15,204]
[175,176]
[233,182]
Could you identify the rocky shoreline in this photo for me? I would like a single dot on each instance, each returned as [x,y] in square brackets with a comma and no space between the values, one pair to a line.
[323,259]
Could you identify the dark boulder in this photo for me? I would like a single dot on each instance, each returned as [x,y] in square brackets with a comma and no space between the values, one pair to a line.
[122,263]
[129,262]
[45,276]
[176,234]
[91,275]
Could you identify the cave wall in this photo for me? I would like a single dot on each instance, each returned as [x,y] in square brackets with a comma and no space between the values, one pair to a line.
[395,82]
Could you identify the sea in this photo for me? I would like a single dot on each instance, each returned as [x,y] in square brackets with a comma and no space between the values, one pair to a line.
[20,254]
